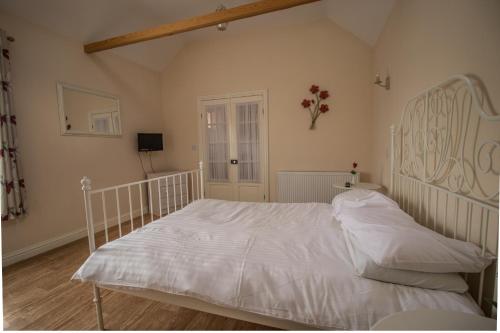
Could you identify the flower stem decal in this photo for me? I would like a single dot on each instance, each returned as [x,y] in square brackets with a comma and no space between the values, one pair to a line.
[315,105]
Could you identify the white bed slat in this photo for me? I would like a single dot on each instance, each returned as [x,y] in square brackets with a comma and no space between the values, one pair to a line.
[105,216]
[167,189]
[175,195]
[118,213]
[436,210]
[159,197]
[198,186]
[457,208]
[186,184]
[180,188]
[150,199]
[142,206]
[445,214]
[192,186]
[130,209]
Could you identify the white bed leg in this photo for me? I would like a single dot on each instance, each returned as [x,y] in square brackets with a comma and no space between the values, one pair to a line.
[98,308]
[86,188]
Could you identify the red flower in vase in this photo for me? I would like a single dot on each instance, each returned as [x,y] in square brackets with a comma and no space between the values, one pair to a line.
[306,103]
[314,89]
[354,166]
[324,108]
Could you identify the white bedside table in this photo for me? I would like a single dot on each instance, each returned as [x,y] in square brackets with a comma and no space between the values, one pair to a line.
[435,320]
[362,186]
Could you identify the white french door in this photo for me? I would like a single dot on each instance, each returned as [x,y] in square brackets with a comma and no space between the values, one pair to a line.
[233,146]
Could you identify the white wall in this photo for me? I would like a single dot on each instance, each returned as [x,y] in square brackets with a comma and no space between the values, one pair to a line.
[423,43]
[53,164]
[286,61]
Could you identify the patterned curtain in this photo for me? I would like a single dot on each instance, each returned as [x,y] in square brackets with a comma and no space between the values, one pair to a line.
[11,179]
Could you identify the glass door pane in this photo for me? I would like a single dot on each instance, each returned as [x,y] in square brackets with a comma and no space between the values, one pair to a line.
[248,142]
[217,143]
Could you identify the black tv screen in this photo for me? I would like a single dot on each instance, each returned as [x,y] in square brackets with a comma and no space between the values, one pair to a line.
[150,141]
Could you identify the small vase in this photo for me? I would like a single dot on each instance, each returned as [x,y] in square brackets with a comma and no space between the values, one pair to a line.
[353,182]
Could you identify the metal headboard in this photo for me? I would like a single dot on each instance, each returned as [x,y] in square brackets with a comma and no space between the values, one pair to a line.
[445,166]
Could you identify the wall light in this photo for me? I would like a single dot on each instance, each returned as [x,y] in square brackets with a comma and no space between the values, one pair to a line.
[386,85]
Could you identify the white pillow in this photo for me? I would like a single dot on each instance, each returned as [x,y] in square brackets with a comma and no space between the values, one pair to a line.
[392,239]
[365,267]
[359,198]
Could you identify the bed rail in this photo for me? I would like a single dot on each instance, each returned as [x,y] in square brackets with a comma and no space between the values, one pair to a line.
[189,183]
[444,169]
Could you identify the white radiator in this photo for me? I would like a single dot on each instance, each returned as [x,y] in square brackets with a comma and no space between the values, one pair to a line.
[311,186]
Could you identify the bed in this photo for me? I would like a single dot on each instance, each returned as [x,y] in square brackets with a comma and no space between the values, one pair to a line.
[289,265]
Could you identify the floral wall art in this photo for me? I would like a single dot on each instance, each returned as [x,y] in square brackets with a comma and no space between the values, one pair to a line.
[316,105]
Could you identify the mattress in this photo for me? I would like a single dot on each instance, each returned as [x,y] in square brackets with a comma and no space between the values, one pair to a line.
[287,261]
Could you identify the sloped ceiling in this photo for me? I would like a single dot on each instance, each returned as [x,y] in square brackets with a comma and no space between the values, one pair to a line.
[91,20]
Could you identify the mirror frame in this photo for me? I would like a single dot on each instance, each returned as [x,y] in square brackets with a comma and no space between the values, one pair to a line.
[62,115]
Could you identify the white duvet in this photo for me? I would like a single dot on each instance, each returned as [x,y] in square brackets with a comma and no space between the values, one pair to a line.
[288,261]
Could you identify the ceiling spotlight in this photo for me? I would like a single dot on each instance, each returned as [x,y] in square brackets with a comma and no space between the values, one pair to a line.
[221,26]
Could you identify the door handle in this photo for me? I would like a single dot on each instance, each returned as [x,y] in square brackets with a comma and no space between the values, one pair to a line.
[234,162]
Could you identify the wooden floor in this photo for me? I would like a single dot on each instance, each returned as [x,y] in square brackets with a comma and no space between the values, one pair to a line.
[38,295]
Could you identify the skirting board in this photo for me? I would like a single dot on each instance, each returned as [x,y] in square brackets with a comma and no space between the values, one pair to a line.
[49,244]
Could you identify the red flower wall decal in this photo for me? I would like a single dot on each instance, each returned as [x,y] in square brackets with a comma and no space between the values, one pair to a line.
[314,89]
[324,94]
[317,107]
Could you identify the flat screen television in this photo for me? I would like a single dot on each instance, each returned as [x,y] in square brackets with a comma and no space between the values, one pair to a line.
[150,141]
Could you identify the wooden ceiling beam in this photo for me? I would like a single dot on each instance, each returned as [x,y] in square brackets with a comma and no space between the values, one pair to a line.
[197,22]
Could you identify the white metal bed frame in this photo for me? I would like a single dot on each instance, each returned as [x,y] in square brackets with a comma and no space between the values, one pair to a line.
[440,165]
[194,187]
[425,157]
[191,178]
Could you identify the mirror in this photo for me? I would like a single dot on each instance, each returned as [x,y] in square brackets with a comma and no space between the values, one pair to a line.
[88,112]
